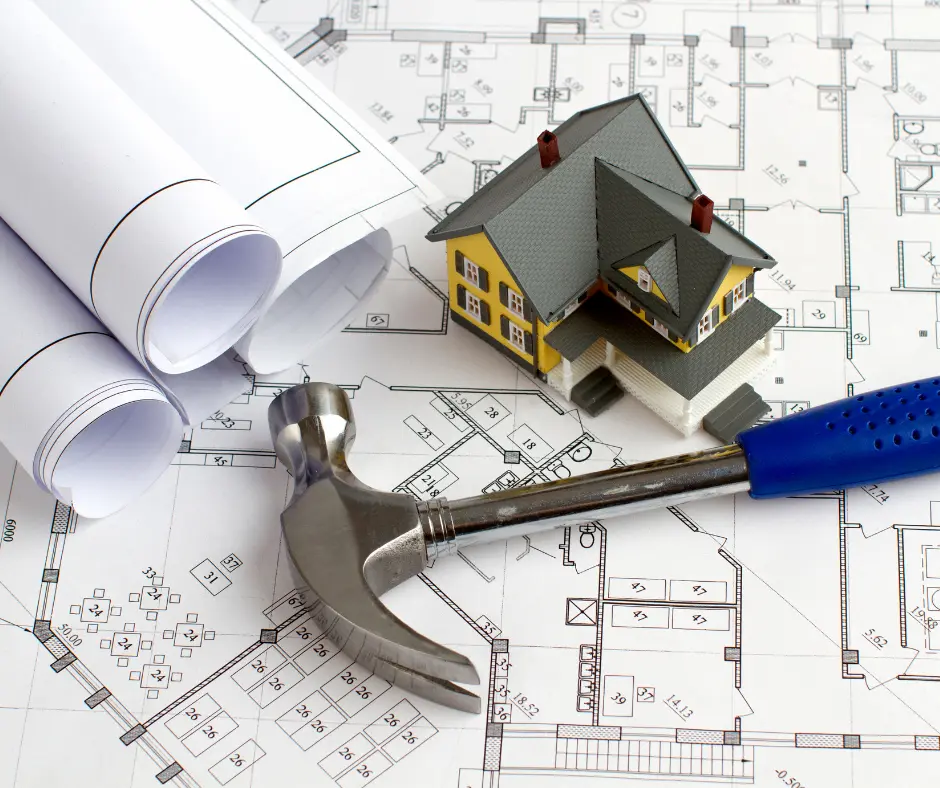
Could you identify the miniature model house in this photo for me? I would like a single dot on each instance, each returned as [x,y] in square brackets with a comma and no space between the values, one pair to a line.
[594,262]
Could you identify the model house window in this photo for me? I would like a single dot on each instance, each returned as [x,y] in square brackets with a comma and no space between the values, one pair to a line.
[473,306]
[661,328]
[645,280]
[515,303]
[705,325]
[736,296]
[471,272]
[708,323]
[517,336]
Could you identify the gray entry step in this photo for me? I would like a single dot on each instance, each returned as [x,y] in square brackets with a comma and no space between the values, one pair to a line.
[742,409]
[597,391]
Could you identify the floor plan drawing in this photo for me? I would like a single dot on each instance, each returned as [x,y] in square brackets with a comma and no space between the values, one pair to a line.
[732,641]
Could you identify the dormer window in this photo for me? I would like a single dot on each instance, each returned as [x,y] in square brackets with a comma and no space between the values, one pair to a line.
[644,280]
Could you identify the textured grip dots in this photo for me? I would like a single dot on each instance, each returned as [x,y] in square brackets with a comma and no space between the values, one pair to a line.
[895,415]
[878,436]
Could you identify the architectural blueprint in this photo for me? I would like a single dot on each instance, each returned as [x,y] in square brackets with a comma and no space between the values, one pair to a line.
[773,643]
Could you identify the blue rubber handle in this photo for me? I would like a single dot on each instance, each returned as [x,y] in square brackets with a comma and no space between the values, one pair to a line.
[874,437]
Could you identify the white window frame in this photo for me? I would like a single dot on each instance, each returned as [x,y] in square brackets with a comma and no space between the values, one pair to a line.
[473,307]
[515,302]
[739,295]
[644,280]
[471,271]
[661,328]
[705,325]
[517,336]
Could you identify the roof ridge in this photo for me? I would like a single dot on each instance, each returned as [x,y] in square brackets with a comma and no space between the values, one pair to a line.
[628,101]
[532,151]
[759,252]
[666,275]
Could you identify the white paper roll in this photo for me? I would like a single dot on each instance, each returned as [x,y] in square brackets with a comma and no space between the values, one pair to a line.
[318,299]
[134,227]
[76,410]
[158,155]
[305,168]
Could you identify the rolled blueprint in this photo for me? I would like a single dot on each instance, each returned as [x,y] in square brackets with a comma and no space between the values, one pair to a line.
[152,244]
[159,156]
[76,410]
[301,164]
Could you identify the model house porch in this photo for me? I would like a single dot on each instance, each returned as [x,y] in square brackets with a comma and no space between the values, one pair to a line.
[681,388]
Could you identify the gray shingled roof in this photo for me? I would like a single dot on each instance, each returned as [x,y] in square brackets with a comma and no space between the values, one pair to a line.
[542,221]
[601,317]
[722,236]
[634,216]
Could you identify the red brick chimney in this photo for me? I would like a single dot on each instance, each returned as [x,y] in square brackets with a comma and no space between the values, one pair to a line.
[548,149]
[702,210]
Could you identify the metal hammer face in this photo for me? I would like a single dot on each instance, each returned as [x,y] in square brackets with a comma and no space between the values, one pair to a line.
[352,543]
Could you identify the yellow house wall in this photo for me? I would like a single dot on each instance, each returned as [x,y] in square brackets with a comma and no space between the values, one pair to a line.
[548,356]
[479,250]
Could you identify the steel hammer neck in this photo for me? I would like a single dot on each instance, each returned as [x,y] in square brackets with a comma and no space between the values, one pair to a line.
[449,525]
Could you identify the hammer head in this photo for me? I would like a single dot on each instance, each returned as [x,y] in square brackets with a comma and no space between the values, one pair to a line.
[352,543]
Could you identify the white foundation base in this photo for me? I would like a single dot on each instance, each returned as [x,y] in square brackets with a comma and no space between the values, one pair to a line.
[683,414]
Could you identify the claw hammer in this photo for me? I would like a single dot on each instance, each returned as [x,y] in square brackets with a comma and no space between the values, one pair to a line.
[352,543]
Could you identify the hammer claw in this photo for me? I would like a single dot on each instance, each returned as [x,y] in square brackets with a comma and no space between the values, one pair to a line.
[374,633]
[391,649]
[351,544]
[431,687]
